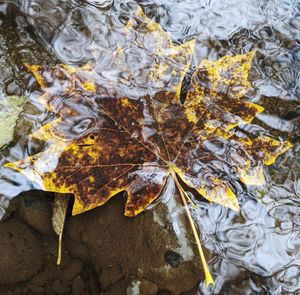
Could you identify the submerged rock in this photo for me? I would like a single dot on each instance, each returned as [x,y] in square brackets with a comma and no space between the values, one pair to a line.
[103,251]
[21,252]
[35,209]
[125,250]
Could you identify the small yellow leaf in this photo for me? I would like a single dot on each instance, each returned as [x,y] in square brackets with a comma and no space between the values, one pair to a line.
[60,206]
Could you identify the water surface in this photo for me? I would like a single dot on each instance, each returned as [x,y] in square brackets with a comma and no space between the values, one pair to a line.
[256,250]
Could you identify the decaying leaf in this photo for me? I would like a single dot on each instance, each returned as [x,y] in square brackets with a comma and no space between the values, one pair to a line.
[10,109]
[59,208]
[136,143]
[106,142]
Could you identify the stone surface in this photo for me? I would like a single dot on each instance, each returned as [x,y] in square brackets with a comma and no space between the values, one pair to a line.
[59,287]
[78,286]
[121,248]
[35,209]
[147,288]
[150,253]
[72,270]
[21,252]
[5,291]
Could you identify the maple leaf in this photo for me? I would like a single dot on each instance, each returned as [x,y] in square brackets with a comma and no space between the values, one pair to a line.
[135,144]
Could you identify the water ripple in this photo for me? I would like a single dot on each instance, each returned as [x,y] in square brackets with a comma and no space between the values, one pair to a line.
[257,249]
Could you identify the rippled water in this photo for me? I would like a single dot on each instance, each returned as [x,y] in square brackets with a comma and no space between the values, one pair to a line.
[257,250]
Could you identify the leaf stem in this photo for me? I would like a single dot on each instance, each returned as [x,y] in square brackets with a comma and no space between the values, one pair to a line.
[190,200]
[59,249]
[208,277]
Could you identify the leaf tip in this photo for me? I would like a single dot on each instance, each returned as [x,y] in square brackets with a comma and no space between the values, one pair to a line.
[251,54]
[235,207]
[77,208]
[287,145]
[13,166]
[253,176]
[139,11]
[131,212]
[209,279]
[259,108]
[282,147]
[230,200]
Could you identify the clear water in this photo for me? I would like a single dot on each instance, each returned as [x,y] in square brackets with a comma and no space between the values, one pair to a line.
[257,251]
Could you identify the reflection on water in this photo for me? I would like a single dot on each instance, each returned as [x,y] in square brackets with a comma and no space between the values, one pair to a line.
[257,250]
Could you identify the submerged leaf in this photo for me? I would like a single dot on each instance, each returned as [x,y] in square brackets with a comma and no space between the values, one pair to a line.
[60,206]
[10,109]
[135,144]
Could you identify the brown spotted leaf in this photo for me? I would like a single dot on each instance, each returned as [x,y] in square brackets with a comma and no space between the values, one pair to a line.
[135,144]
[105,142]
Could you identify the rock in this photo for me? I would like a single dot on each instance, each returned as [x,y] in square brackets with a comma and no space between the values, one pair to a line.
[91,281]
[147,288]
[39,279]
[51,271]
[173,258]
[120,287]
[155,249]
[72,270]
[156,245]
[140,287]
[59,287]
[35,209]
[18,291]
[78,286]
[5,291]
[21,252]
[48,290]
[36,289]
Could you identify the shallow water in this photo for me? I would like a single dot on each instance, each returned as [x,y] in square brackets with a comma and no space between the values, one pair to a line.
[256,250]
